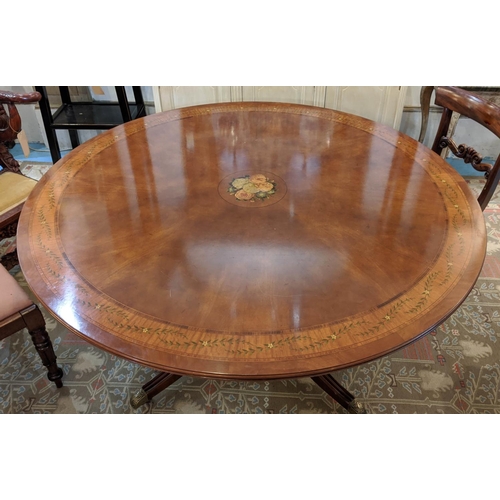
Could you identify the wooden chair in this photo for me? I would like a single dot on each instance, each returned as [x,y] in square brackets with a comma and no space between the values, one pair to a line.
[17,311]
[481,111]
[14,187]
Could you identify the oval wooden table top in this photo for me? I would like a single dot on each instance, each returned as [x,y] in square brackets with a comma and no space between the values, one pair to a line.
[251,240]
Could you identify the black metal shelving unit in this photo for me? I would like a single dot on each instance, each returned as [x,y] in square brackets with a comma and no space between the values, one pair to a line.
[96,115]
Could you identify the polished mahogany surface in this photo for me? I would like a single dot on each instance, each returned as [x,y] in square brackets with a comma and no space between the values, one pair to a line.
[251,240]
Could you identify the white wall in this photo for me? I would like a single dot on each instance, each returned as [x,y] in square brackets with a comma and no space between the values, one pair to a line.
[382,104]
[109,94]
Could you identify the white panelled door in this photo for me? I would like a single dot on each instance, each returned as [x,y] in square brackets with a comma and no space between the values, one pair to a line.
[180,97]
[381,104]
[295,95]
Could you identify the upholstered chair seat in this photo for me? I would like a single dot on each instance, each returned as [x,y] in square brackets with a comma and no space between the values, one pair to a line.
[14,189]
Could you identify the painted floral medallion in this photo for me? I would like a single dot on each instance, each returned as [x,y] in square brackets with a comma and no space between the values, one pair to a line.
[252,189]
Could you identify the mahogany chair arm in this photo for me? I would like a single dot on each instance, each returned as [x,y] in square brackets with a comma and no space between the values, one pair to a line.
[487,114]
[10,125]
[471,105]
[7,97]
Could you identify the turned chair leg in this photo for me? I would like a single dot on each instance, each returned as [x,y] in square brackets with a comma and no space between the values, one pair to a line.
[36,328]
[44,347]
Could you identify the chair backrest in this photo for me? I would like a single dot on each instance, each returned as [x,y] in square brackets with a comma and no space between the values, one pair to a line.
[481,111]
[10,125]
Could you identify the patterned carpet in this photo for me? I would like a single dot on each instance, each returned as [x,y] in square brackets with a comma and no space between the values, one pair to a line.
[455,369]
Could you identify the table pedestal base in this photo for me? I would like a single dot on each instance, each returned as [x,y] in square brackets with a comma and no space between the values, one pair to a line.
[326,382]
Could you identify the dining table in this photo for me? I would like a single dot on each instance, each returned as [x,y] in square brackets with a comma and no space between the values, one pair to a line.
[251,241]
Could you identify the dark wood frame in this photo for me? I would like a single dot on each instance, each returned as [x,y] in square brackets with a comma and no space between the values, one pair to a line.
[487,114]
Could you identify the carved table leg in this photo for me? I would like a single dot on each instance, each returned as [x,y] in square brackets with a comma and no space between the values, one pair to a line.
[341,395]
[152,388]
[44,347]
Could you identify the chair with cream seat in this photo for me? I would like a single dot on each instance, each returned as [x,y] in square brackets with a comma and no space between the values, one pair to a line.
[14,187]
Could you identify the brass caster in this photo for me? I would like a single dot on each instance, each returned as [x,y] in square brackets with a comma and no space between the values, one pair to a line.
[356,407]
[140,398]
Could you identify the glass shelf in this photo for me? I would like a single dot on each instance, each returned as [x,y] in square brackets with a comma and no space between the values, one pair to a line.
[94,116]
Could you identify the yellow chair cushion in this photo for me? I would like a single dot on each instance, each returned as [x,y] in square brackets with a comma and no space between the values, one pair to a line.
[14,189]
